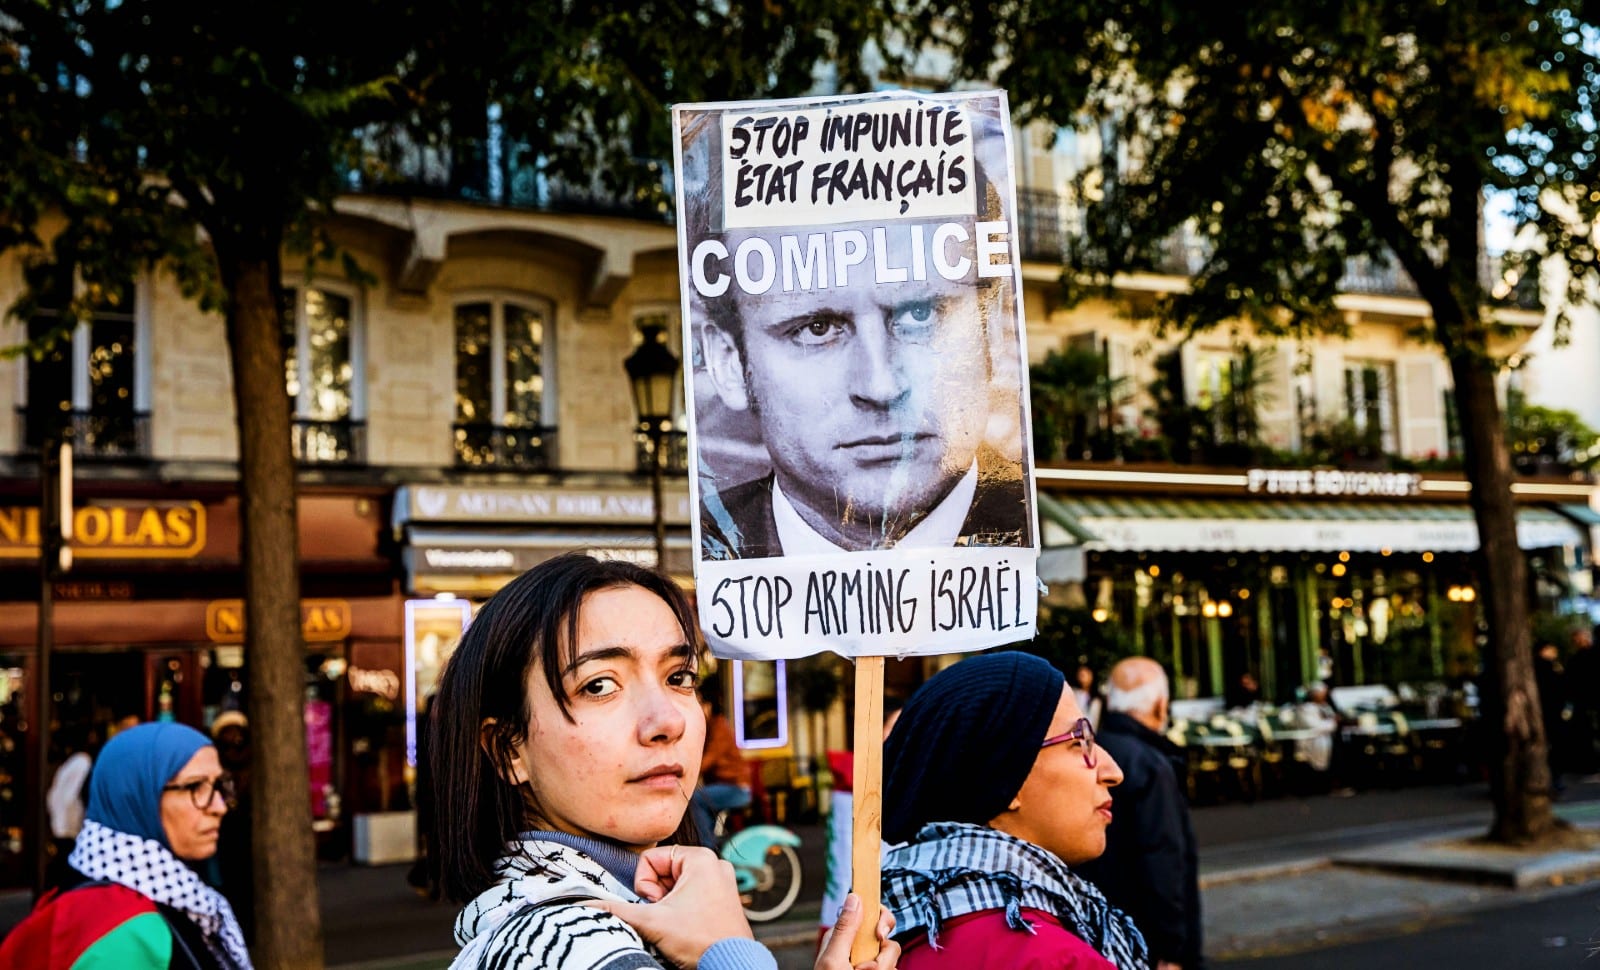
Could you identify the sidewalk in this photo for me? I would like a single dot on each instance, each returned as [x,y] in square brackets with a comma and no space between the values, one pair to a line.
[1282,897]
[1289,874]
[1277,876]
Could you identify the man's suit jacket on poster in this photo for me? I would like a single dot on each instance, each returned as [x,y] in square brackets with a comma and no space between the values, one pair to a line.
[737,522]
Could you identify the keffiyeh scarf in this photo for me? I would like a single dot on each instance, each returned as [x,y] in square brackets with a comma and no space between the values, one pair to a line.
[533,917]
[150,869]
[952,869]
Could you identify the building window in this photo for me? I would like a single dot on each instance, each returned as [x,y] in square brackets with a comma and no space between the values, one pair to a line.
[322,364]
[505,405]
[1369,402]
[86,380]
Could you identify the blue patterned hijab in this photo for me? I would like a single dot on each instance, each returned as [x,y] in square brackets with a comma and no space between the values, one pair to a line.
[133,767]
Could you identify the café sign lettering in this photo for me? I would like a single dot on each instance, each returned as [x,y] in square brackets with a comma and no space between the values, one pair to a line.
[1332,481]
[321,621]
[461,503]
[149,530]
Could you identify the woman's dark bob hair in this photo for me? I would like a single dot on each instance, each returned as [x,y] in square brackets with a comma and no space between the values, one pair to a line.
[532,620]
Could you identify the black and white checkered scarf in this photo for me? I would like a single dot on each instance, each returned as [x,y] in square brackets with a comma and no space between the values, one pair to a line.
[150,869]
[952,869]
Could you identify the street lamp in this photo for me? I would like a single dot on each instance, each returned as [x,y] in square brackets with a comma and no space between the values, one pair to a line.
[653,372]
[55,558]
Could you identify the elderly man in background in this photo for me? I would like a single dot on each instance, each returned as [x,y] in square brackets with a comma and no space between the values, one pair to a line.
[1151,868]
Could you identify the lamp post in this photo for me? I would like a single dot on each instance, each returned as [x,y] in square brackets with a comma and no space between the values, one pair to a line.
[653,373]
[55,558]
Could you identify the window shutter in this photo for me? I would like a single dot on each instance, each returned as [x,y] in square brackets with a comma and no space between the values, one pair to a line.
[1328,388]
[1422,419]
[1276,404]
[1190,355]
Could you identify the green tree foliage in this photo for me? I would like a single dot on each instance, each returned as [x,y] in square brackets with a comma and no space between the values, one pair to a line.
[209,140]
[1292,136]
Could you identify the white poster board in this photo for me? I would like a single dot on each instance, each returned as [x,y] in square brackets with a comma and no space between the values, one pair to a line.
[859,428]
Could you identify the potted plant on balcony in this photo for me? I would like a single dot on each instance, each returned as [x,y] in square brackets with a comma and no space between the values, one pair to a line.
[1342,444]
[1547,441]
[1075,399]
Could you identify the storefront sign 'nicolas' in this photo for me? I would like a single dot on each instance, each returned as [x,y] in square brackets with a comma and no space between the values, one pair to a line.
[321,621]
[1333,481]
[143,530]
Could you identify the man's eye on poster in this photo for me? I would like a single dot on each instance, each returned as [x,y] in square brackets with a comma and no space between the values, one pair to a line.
[859,428]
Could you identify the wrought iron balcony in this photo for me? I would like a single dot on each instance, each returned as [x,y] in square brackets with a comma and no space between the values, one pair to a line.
[110,436]
[1043,222]
[674,452]
[329,442]
[493,447]
[502,172]
[1046,217]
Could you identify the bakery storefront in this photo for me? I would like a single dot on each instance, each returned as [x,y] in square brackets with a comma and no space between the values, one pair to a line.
[461,543]
[1294,575]
[468,540]
[149,625]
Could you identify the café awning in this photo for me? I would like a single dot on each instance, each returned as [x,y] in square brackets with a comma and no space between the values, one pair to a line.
[1157,524]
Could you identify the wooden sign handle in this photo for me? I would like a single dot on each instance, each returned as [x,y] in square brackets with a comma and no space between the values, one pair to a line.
[866,834]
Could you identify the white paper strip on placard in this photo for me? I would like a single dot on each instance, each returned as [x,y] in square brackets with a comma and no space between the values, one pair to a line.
[852,305]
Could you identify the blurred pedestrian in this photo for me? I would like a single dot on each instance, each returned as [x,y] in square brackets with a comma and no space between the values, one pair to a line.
[1246,692]
[1316,715]
[1087,692]
[724,774]
[231,733]
[1583,693]
[566,731]
[1150,867]
[995,785]
[67,797]
[134,900]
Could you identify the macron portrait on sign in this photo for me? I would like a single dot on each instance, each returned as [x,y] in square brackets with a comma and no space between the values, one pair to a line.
[856,378]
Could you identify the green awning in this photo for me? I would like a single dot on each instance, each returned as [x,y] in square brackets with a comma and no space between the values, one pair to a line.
[1581,514]
[1154,523]
[1058,526]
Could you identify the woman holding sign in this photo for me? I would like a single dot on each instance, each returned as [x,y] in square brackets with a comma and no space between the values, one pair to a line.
[568,735]
[994,782]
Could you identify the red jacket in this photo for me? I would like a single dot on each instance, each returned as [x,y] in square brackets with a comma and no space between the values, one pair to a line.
[983,941]
[102,927]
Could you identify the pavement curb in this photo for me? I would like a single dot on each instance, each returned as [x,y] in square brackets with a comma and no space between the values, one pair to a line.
[1275,870]
[1441,860]
[1308,939]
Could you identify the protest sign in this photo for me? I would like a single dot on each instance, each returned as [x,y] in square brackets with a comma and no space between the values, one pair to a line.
[859,430]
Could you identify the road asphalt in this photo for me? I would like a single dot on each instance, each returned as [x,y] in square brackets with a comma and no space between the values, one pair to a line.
[1280,876]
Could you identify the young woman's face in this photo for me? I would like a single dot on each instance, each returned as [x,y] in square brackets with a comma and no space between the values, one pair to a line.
[1064,805]
[624,767]
[192,828]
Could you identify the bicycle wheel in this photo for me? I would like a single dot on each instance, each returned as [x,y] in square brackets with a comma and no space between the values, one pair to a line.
[778,888]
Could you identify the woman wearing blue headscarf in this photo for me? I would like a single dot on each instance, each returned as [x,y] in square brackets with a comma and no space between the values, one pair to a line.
[132,900]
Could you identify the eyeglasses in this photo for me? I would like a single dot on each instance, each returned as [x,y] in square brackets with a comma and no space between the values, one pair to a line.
[201,792]
[1081,731]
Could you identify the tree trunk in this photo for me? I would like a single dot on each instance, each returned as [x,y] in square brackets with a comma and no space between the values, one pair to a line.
[288,921]
[1519,775]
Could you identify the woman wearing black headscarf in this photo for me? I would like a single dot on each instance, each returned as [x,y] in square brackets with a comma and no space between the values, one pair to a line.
[132,900]
[995,785]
